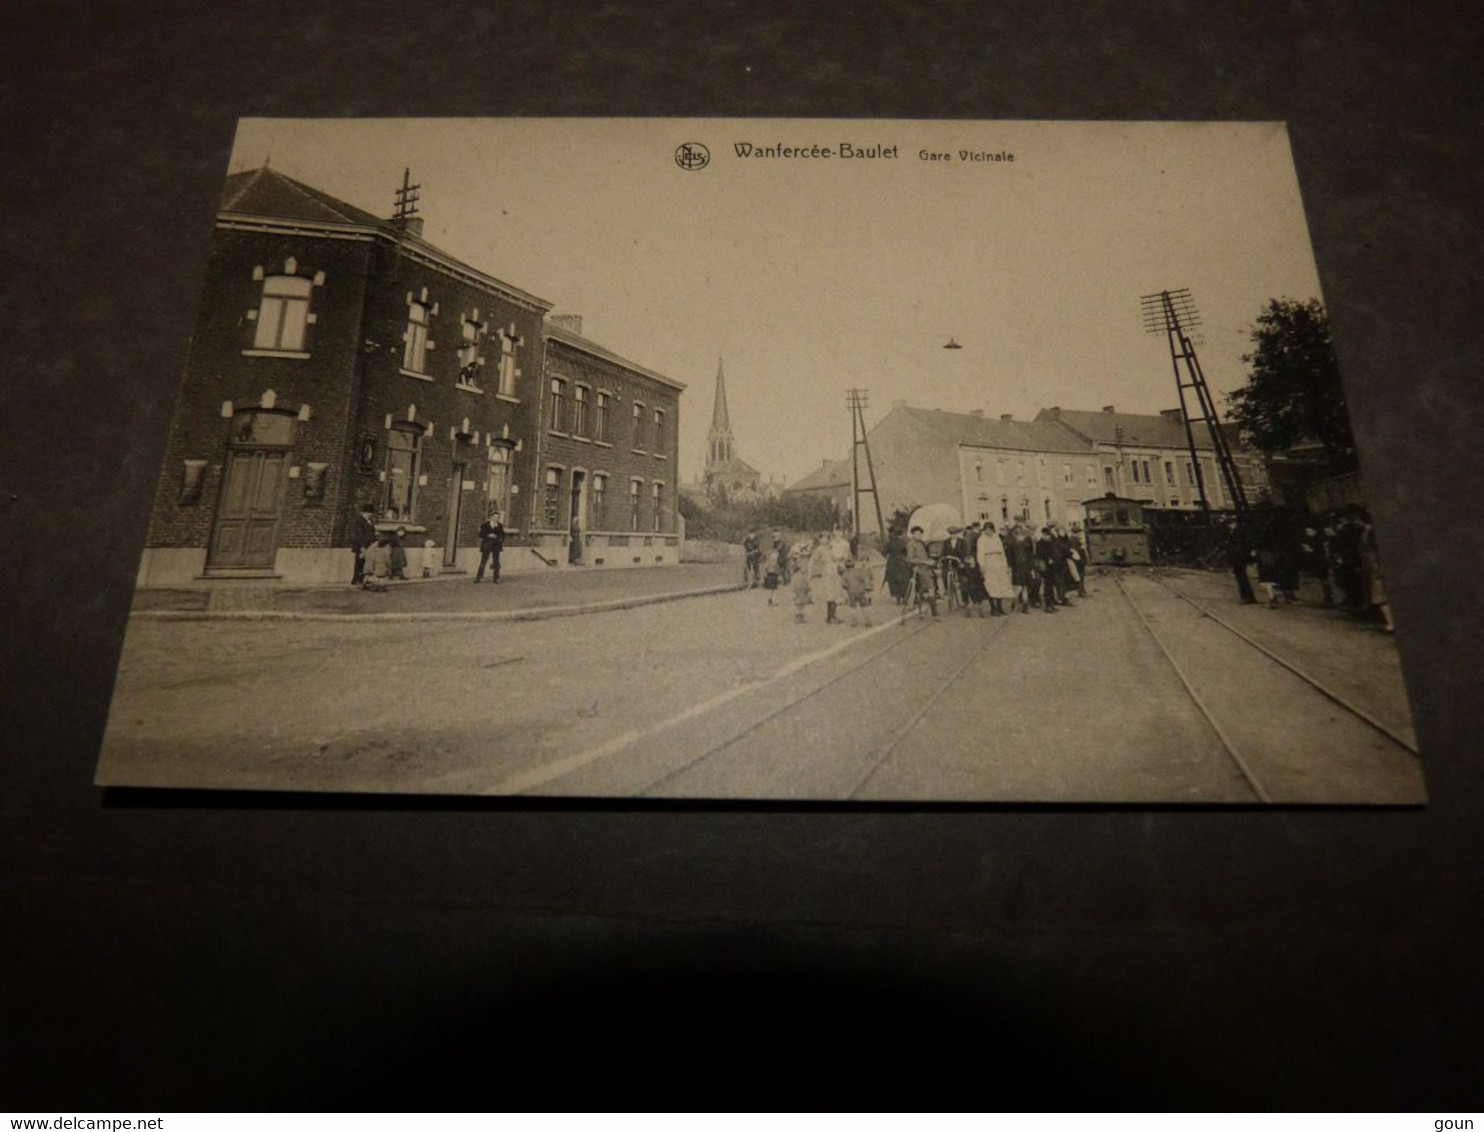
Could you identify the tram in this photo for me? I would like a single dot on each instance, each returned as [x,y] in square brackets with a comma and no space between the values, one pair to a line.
[1117,532]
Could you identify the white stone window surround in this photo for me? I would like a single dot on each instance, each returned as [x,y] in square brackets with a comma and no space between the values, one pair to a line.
[282,318]
[416,339]
[509,370]
[471,361]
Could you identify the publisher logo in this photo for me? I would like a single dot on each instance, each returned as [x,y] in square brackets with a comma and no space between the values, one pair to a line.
[692,156]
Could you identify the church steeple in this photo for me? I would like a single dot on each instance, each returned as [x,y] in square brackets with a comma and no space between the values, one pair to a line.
[719,440]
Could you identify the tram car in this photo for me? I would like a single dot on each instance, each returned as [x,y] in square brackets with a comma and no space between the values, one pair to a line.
[1117,532]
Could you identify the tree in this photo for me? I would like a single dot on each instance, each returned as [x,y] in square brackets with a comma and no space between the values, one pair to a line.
[1293,393]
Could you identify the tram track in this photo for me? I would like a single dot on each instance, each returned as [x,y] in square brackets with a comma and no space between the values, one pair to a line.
[1323,689]
[788,705]
[1247,761]
[1243,764]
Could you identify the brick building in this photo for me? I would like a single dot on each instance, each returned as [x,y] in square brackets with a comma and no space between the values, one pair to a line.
[1146,456]
[608,454]
[341,363]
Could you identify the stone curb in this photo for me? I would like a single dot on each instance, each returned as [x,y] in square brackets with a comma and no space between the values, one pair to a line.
[539,613]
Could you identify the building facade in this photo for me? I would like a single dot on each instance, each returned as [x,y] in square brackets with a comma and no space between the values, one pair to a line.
[608,457]
[1147,457]
[990,469]
[344,366]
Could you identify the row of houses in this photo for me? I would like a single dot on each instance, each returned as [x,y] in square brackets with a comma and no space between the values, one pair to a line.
[344,365]
[1041,470]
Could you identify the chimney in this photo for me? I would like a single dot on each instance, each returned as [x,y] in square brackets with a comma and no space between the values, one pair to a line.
[412,225]
[1108,408]
[1007,416]
[1051,414]
[899,404]
[977,413]
[572,323]
[1173,415]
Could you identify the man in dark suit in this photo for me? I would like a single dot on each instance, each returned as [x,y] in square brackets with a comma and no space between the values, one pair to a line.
[491,542]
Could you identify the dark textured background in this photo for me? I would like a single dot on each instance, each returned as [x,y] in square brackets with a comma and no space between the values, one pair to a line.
[175,953]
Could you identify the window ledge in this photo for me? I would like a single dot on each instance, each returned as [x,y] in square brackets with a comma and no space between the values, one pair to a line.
[582,439]
[660,456]
[602,444]
[639,451]
[468,388]
[559,432]
[507,397]
[297,355]
[412,373]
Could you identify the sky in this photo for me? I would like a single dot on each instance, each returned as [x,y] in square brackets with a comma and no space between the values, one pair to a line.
[810,275]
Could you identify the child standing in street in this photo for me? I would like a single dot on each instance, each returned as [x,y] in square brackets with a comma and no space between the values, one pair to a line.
[799,570]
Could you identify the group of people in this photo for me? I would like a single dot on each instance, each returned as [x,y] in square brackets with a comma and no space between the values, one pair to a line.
[995,572]
[381,557]
[829,570]
[1338,551]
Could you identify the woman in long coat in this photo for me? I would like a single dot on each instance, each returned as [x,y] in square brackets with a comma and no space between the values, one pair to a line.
[995,569]
[824,574]
[898,573]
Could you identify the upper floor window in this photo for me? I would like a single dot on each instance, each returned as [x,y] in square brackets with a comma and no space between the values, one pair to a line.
[638,427]
[1169,471]
[473,331]
[507,364]
[558,403]
[415,349]
[600,417]
[579,410]
[1108,480]
[659,431]
[283,313]
[1133,466]
[1066,473]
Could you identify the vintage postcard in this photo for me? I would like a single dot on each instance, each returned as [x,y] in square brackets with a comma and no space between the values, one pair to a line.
[842,461]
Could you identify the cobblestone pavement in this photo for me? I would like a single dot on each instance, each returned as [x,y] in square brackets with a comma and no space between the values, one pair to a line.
[1080,706]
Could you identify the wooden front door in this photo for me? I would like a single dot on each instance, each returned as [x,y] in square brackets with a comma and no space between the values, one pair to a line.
[246,534]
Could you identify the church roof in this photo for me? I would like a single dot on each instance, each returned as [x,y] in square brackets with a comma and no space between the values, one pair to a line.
[736,466]
[267,192]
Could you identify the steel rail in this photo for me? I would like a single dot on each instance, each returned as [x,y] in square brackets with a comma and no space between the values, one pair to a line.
[776,712]
[1335,697]
[884,752]
[1226,742]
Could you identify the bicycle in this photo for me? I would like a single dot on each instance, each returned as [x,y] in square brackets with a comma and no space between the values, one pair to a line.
[922,588]
[953,581]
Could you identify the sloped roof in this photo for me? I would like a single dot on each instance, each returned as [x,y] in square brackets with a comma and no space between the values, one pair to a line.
[267,192]
[1138,428]
[832,473]
[992,432]
[555,332]
[736,466]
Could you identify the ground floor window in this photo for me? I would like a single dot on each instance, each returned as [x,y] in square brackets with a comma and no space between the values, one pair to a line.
[403,458]
[497,479]
[600,502]
[636,487]
[658,491]
[551,501]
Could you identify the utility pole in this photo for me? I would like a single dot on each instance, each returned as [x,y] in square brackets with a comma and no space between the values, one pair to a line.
[856,401]
[1174,314]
